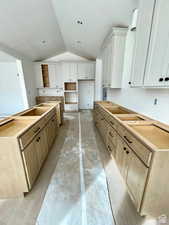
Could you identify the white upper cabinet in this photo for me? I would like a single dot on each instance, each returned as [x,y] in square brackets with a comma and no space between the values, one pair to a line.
[85,70]
[69,71]
[112,55]
[151,52]
[52,75]
[157,70]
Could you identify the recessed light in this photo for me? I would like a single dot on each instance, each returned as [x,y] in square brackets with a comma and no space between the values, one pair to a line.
[79,22]
[78,42]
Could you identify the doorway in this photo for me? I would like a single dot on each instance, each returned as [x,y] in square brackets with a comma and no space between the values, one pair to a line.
[86,94]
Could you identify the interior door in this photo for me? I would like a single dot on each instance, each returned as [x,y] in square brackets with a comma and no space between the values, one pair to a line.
[86,94]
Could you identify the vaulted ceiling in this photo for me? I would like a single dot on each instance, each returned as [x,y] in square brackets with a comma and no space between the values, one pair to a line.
[40,29]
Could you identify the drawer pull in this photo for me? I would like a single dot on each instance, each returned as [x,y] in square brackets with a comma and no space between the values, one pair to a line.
[127,152]
[35,131]
[124,148]
[112,123]
[130,142]
[102,119]
[38,139]
[111,134]
[109,149]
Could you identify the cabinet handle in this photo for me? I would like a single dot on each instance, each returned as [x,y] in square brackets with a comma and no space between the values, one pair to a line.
[127,152]
[167,79]
[130,82]
[102,119]
[160,79]
[112,123]
[35,131]
[124,148]
[111,134]
[109,148]
[130,142]
[38,139]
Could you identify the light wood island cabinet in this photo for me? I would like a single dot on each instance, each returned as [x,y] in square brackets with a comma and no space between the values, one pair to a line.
[25,141]
[140,147]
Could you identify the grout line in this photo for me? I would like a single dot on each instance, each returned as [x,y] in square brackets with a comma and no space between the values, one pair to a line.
[82,182]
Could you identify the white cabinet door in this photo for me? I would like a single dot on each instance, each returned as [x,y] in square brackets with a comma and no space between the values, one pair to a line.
[81,71]
[157,70]
[38,75]
[65,70]
[90,70]
[73,72]
[69,72]
[86,71]
[59,76]
[143,30]
[52,75]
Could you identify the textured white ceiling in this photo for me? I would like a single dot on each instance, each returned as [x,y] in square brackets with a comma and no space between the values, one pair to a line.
[6,58]
[25,24]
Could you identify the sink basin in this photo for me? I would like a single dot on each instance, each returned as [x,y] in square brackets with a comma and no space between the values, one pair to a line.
[36,112]
[13,127]
[118,110]
[46,104]
[156,135]
[130,118]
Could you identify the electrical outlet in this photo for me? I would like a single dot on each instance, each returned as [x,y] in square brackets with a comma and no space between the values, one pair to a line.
[155,101]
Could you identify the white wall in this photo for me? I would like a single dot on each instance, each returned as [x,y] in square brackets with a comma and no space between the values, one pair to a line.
[30,82]
[139,99]
[11,98]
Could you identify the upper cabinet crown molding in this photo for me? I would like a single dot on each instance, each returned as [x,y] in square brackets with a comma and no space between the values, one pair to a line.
[150,67]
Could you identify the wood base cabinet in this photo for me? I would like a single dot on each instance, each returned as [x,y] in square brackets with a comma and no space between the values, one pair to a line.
[25,141]
[142,158]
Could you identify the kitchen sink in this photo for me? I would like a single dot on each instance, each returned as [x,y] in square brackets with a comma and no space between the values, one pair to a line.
[130,118]
[154,134]
[36,111]
[118,110]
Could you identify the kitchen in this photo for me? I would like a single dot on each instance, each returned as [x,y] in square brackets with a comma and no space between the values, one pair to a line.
[84,129]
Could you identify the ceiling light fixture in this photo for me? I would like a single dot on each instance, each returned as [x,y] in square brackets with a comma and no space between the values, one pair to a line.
[78,42]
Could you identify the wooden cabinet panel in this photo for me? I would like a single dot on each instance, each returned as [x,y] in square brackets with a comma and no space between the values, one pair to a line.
[136,178]
[122,156]
[41,146]
[51,130]
[32,166]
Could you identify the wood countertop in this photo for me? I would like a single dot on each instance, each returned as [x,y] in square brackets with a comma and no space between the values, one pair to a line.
[153,134]
[19,123]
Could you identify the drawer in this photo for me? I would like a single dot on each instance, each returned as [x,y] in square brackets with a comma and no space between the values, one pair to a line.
[112,136]
[49,115]
[142,151]
[29,134]
[111,148]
